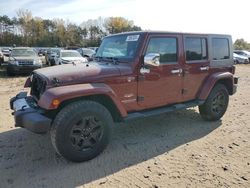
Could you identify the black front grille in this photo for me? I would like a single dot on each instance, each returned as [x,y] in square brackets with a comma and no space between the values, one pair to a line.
[25,62]
[38,86]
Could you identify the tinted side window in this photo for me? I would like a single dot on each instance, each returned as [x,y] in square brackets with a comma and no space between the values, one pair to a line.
[165,46]
[220,48]
[196,48]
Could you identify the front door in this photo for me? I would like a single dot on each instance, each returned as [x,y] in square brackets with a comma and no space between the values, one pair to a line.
[162,84]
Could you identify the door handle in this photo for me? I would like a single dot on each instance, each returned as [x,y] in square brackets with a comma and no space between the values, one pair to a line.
[176,71]
[206,68]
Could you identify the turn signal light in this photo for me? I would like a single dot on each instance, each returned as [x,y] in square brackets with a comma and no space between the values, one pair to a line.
[55,103]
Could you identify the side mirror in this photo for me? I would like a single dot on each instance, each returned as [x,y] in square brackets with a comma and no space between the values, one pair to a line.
[152,59]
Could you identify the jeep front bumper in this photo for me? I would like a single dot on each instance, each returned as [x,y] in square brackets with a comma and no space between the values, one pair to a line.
[27,115]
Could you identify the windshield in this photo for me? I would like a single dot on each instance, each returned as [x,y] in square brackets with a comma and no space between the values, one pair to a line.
[120,46]
[71,54]
[54,51]
[23,53]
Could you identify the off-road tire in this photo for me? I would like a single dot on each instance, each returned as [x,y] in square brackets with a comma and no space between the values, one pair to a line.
[66,129]
[216,104]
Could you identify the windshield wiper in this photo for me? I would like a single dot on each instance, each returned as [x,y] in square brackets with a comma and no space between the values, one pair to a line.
[98,58]
[113,60]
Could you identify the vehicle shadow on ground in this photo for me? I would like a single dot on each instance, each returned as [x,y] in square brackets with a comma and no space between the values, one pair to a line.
[27,159]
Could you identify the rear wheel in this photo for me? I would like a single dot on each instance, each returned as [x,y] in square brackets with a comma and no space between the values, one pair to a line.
[216,104]
[81,130]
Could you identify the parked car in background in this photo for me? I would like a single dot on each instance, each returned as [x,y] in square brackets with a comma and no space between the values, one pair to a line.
[87,52]
[69,56]
[1,57]
[243,52]
[6,51]
[41,51]
[240,59]
[23,60]
[50,56]
[72,47]
[93,48]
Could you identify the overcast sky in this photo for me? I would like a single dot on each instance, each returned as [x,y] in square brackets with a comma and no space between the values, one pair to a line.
[200,16]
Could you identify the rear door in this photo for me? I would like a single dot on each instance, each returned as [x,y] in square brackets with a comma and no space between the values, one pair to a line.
[162,84]
[196,67]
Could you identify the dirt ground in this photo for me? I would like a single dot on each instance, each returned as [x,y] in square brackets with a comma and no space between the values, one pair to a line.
[172,150]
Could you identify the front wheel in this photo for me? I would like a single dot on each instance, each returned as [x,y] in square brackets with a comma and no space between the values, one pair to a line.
[81,130]
[216,104]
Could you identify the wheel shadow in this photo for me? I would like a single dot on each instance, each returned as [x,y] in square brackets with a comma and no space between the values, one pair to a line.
[27,159]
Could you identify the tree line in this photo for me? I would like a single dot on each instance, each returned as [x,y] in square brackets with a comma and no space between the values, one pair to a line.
[241,44]
[26,30]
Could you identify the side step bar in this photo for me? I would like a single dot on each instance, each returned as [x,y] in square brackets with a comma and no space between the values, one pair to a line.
[162,110]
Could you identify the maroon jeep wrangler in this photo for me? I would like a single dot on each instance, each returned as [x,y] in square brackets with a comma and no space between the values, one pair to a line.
[134,75]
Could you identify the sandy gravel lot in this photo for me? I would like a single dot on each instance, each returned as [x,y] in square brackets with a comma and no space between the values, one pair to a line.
[172,150]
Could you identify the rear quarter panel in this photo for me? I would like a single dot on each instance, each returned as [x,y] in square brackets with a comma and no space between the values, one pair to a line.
[211,81]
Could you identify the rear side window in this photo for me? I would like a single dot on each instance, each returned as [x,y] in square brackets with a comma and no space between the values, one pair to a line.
[195,48]
[165,46]
[220,48]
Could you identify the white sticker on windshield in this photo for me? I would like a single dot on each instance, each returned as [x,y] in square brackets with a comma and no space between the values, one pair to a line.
[132,38]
